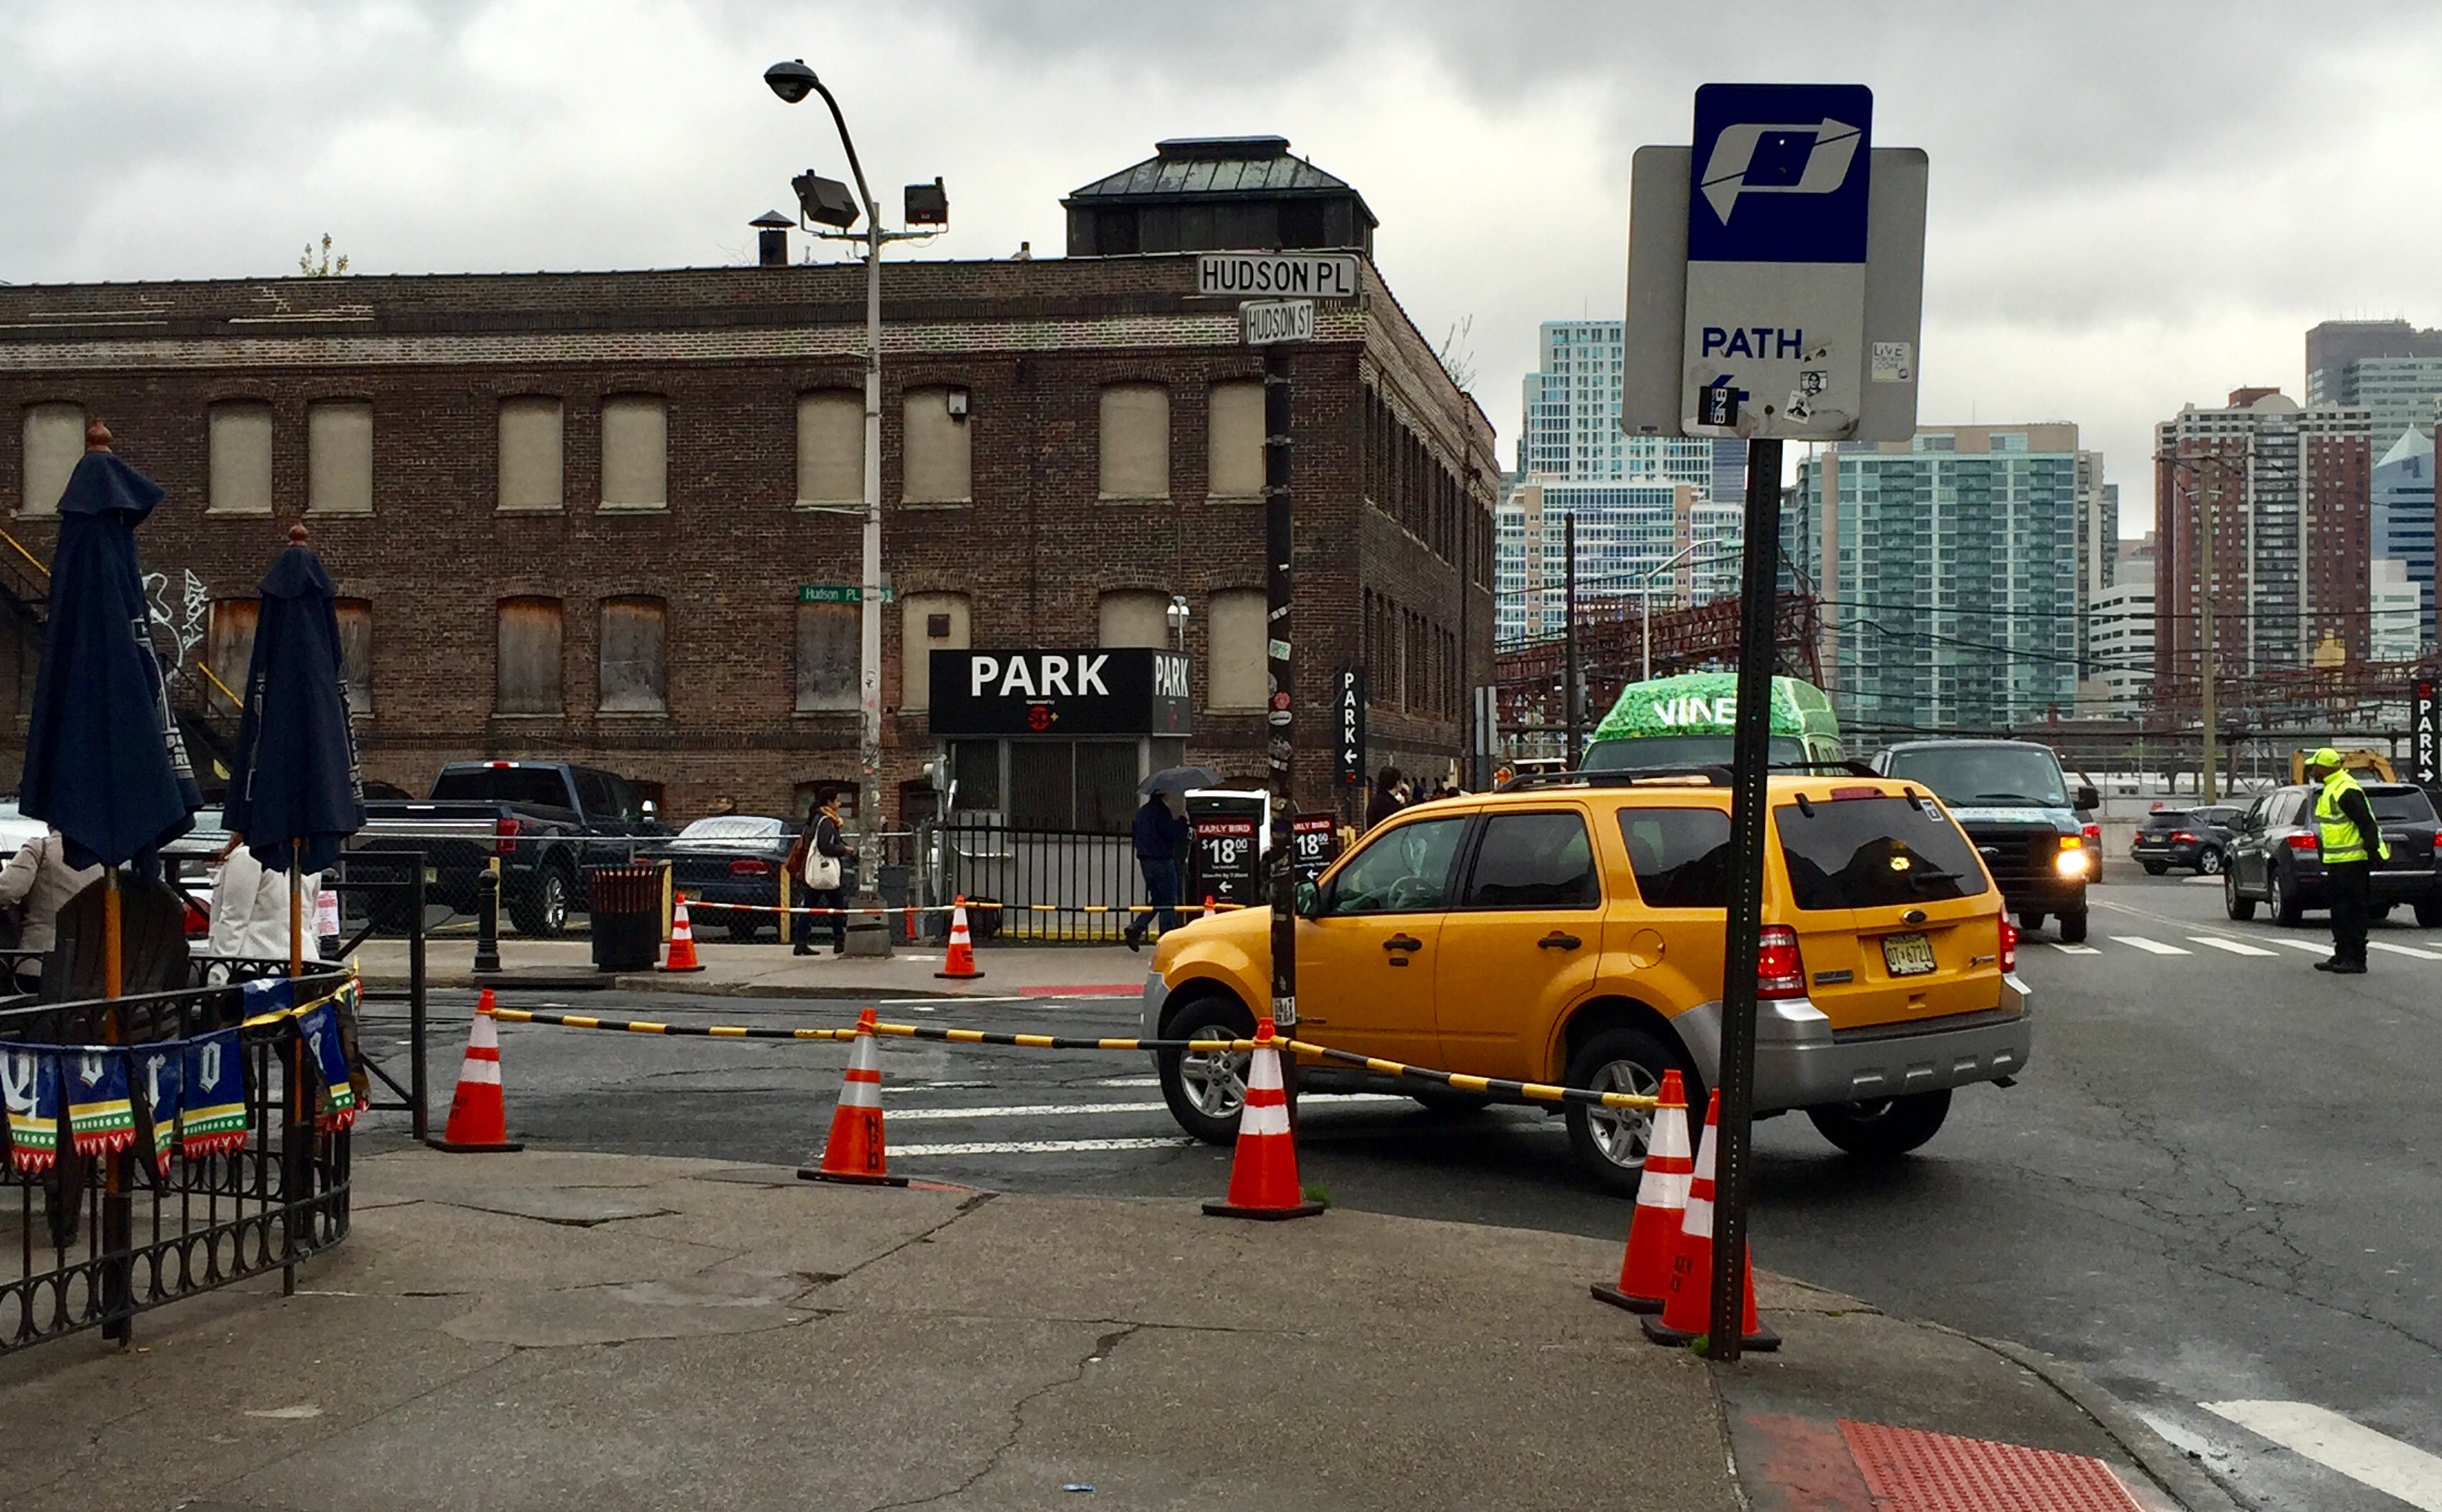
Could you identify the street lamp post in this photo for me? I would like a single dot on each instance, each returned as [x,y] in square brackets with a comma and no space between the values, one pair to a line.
[1645,592]
[792,81]
[2208,787]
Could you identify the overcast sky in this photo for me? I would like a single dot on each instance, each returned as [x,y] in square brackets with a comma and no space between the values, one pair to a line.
[2133,205]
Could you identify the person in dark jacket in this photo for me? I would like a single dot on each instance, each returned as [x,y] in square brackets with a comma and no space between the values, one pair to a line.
[2350,840]
[1161,839]
[820,859]
[1385,801]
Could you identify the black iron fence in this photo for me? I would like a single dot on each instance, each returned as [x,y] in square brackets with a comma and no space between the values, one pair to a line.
[1052,884]
[90,1241]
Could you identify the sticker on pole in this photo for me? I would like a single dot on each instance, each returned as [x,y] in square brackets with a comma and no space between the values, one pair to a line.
[1777,207]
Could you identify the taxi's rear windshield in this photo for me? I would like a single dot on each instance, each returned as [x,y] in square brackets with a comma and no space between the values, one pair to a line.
[1874,853]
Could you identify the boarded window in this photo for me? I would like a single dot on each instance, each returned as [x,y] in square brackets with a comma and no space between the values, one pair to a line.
[339,457]
[927,623]
[830,640]
[530,454]
[356,652]
[1236,433]
[228,648]
[635,452]
[241,439]
[939,451]
[1134,617]
[632,669]
[54,441]
[1235,631]
[831,447]
[528,662]
[1136,441]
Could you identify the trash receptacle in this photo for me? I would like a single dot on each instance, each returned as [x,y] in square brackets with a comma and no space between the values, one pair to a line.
[625,905]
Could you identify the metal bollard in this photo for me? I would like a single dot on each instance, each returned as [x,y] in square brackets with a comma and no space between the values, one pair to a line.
[487,919]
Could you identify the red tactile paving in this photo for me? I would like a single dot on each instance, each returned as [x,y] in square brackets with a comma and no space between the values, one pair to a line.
[1910,1471]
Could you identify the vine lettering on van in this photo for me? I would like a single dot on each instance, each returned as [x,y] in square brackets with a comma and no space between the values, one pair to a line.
[1690,709]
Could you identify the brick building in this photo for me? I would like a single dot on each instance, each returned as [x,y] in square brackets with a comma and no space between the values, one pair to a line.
[595,514]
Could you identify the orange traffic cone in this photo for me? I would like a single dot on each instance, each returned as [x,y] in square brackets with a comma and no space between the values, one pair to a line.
[855,1153]
[1209,907]
[960,967]
[478,1120]
[1661,1206]
[1262,1171]
[682,940]
[1688,1307]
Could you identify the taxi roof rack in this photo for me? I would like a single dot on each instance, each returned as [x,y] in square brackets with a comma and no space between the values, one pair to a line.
[1715,775]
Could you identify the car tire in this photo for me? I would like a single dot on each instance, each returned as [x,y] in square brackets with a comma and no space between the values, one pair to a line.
[2072,928]
[1206,1090]
[2209,863]
[2287,909]
[2030,922]
[2238,907]
[2155,868]
[1610,1143]
[1882,1128]
[539,908]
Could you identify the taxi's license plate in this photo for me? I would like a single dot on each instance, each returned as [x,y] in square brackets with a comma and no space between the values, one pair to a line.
[1908,954]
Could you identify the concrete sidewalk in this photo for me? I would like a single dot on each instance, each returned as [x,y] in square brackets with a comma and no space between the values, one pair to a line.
[768,970]
[559,1330]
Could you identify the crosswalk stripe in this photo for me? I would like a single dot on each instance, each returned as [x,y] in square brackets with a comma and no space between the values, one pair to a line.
[2309,946]
[2232,946]
[2403,950]
[1038,1146]
[2363,1455]
[2151,946]
[2075,950]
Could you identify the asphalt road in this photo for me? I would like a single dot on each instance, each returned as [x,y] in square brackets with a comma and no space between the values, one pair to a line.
[2217,1183]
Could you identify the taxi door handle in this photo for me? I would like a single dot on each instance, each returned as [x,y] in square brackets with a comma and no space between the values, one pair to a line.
[1555,940]
[1403,942]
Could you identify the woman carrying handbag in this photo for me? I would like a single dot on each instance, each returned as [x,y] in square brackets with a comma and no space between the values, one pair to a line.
[820,859]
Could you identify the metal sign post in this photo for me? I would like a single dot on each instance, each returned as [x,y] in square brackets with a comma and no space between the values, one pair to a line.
[1776,273]
[1281,706]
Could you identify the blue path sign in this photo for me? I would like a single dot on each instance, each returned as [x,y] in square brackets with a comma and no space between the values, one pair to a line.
[1778,213]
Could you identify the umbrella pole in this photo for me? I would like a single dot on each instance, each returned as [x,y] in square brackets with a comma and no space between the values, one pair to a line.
[296,915]
[113,929]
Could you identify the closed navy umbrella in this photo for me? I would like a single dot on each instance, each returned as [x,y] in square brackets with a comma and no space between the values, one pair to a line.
[104,764]
[294,792]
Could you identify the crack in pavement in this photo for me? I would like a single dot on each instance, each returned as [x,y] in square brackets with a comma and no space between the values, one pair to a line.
[1102,1349]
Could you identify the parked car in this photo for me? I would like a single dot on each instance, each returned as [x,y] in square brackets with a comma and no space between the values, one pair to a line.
[548,822]
[2276,858]
[1569,929]
[2016,803]
[731,858]
[2194,840]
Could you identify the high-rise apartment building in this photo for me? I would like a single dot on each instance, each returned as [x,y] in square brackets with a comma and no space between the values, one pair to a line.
[2120,641]
[2287,490]
[2403,524]
[1953,570]
[2388,368]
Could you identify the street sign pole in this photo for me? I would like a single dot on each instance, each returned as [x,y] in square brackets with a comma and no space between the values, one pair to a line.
[1750,766]
[1281,706]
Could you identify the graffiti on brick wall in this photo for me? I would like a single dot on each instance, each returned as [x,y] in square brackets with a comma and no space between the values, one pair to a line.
[181,625]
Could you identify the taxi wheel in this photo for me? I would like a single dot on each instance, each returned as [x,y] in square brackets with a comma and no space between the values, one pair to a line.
[1883,1128]
[1207,1089]
[1609,1142]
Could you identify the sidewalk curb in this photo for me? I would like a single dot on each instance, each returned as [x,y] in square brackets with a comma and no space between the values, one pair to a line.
[2171,1471]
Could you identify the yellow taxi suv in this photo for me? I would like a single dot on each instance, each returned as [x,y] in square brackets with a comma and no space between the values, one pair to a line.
[1569,928]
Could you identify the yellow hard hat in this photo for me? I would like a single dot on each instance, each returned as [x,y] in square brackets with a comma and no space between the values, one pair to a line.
[2326,757]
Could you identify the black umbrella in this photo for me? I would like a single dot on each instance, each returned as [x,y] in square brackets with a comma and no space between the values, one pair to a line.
[104,764]
[1176,779]
[294,792]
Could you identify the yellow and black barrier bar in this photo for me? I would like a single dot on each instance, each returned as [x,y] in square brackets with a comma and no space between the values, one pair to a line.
[1455,1081]
[701,905]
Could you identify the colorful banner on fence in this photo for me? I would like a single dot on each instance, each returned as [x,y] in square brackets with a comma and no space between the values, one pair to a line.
[29,1083]
[101,1117]
[160,1076]
[212,1109]
[320,1030]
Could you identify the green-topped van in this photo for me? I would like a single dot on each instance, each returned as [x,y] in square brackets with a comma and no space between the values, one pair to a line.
[1687,720]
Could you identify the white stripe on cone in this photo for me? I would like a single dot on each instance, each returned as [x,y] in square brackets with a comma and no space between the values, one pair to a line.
[1698,1219]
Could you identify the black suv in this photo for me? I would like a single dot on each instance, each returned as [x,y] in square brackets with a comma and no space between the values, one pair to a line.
[2195,840]
[2274,857]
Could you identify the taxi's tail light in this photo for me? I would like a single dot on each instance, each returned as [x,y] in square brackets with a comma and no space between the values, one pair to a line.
[2301,842]
[1780,972]
[505,836]
[2009,946]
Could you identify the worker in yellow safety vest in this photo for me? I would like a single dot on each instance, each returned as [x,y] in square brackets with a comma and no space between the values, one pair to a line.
[2350,838]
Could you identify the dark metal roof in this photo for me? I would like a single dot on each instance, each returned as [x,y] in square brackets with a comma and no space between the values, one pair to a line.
[1233,167]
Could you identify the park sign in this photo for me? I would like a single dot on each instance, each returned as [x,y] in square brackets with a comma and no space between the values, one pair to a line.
[1776,272]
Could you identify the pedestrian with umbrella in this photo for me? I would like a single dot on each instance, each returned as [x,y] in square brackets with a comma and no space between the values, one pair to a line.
[104,764]
[1160,839]
[295,793]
